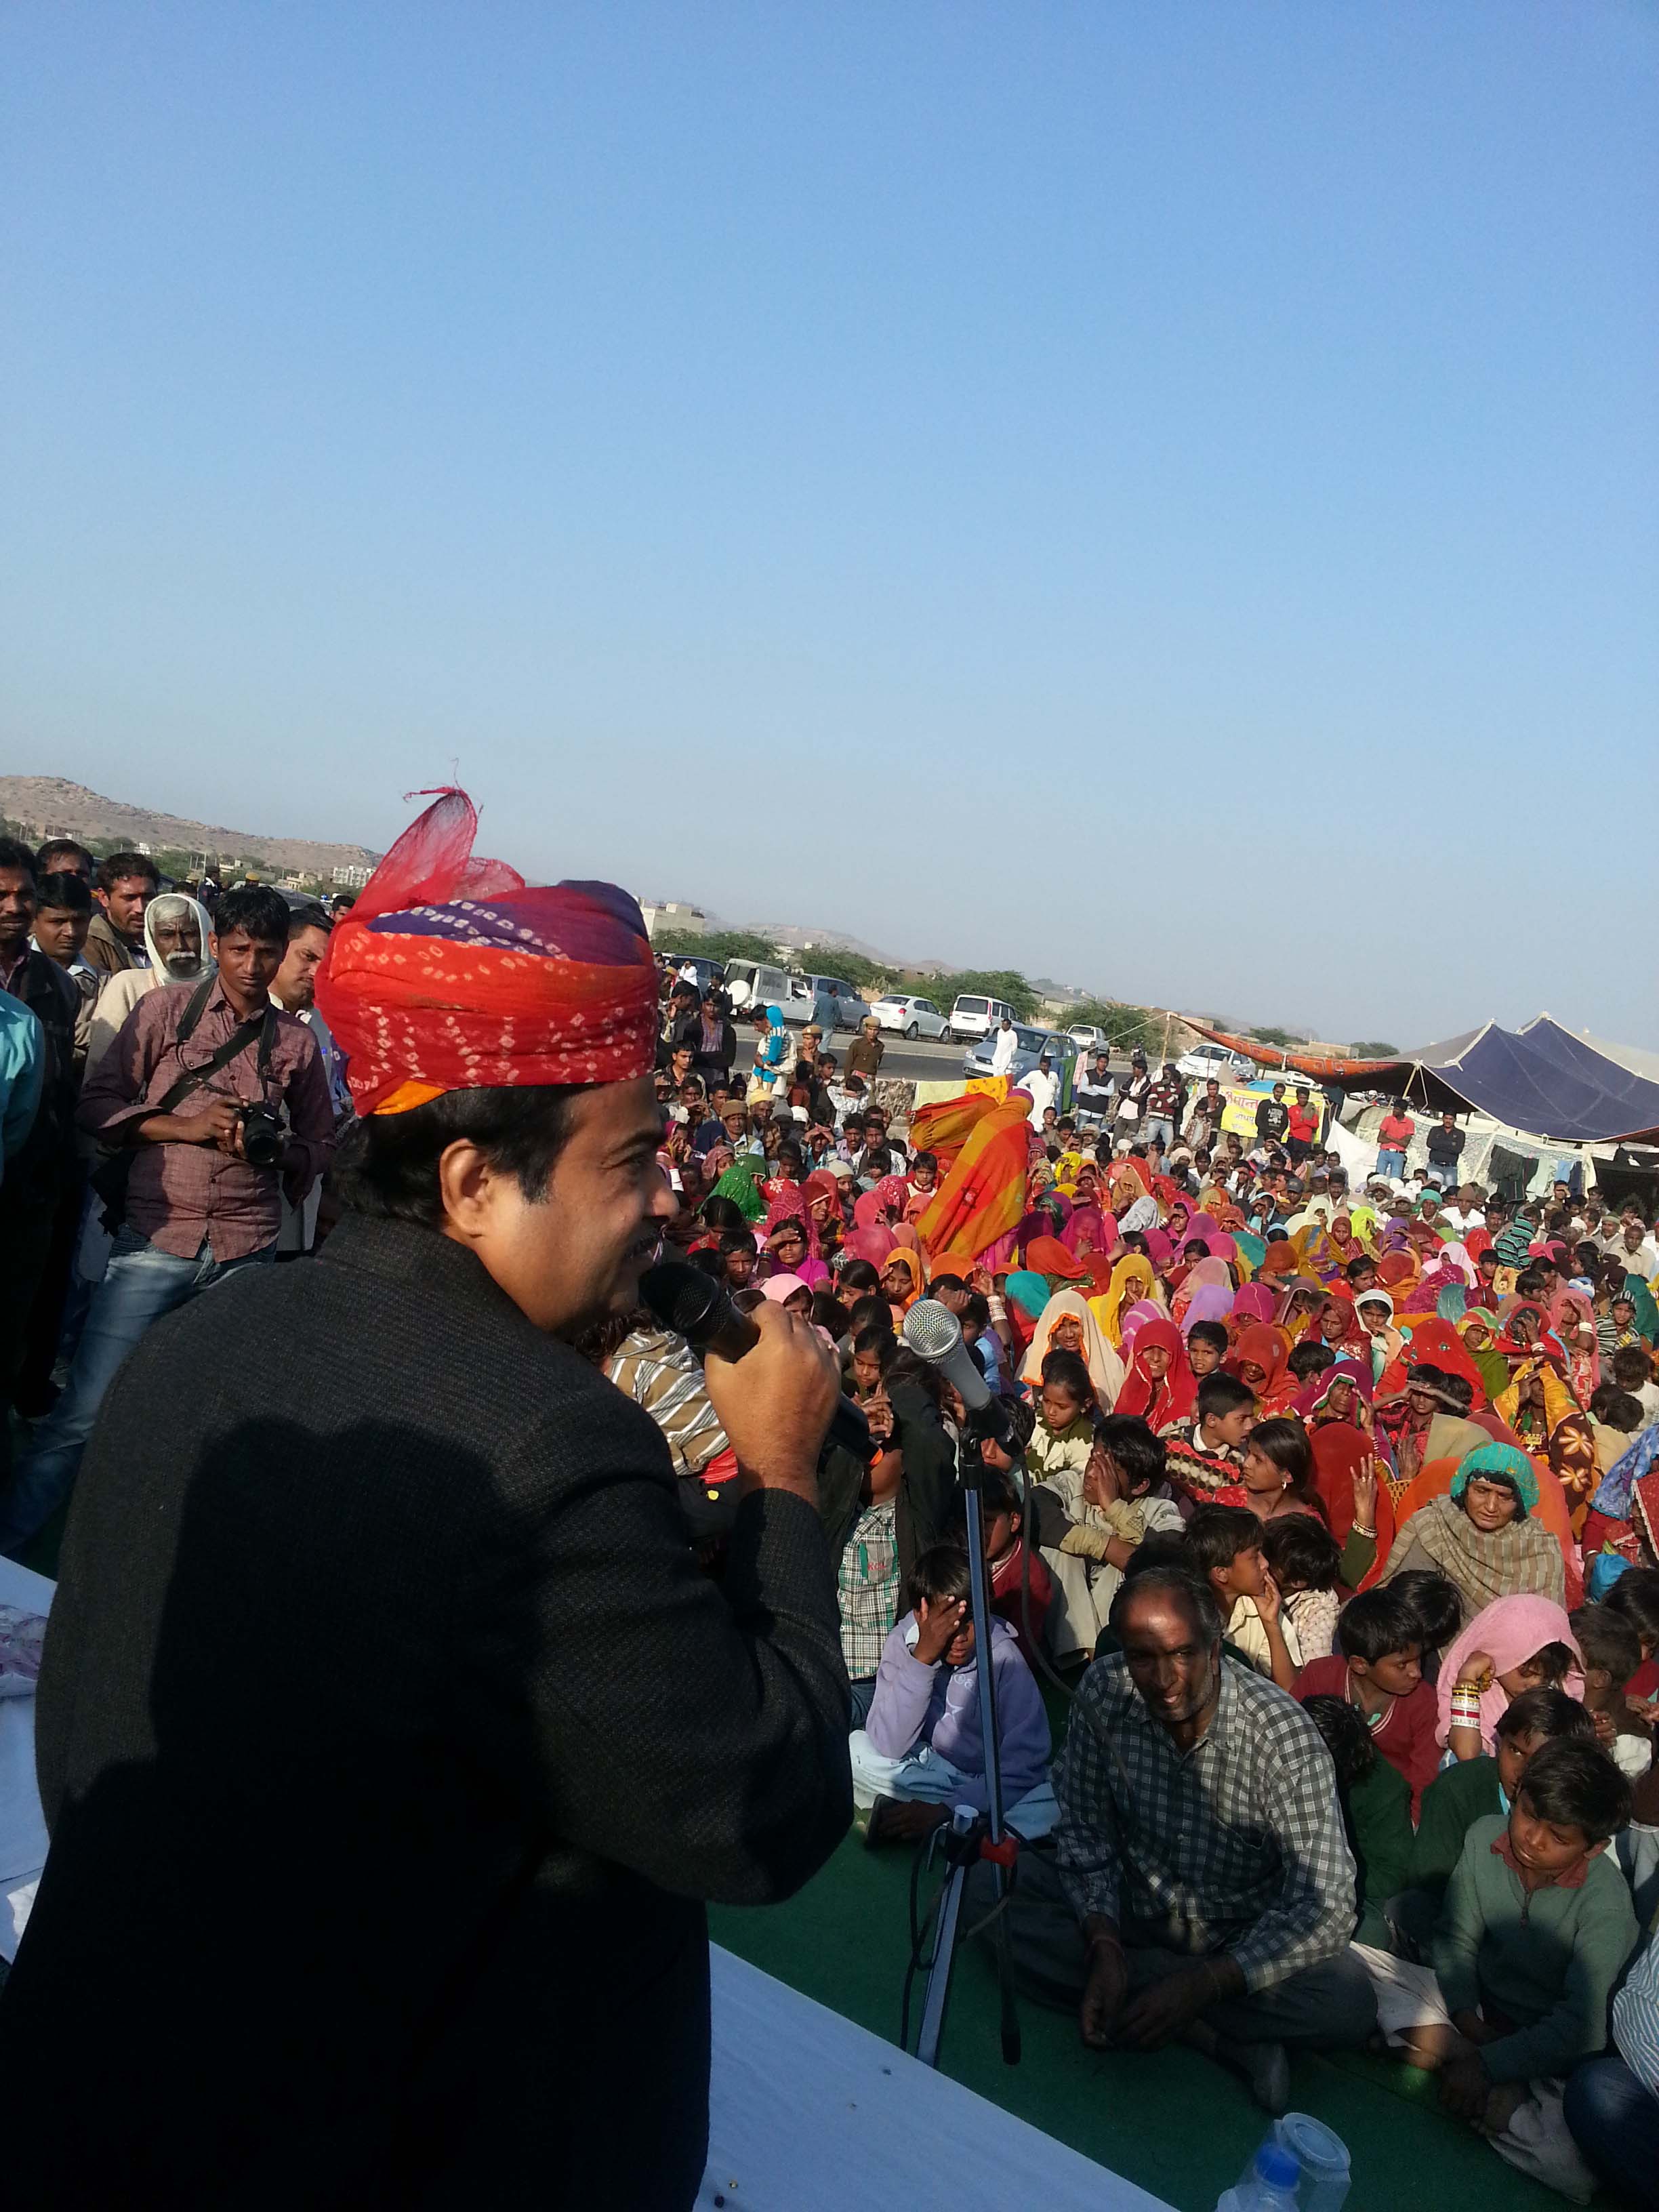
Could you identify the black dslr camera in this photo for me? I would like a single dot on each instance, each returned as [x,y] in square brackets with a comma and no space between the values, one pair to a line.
[262,1136]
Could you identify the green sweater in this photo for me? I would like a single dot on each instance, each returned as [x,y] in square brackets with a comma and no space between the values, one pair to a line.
[1466,1792]
[1379,1822]
[1545,1959]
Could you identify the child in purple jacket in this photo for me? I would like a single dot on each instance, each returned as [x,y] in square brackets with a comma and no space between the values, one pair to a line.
[922,1750]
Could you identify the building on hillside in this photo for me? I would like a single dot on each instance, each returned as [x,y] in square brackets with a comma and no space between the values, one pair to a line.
[351,876]
[673,918]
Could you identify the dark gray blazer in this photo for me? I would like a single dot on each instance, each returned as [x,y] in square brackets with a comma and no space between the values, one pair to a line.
[390,1743]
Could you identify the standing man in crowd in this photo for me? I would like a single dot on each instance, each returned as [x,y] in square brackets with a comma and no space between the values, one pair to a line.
[1445,1150]
[1272,1118]
[295,991]
[42,1168]
[1164,1104]
[124,886]
[1095,1088]
[371,1572]
[65,856]
[172,1095]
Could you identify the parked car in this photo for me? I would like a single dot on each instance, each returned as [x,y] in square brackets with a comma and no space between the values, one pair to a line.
[974,1016]
[1088,1038]
[705,971]
[850,1006]
[1029,1047]
[910,1017]
[751,983]
[1206,1059]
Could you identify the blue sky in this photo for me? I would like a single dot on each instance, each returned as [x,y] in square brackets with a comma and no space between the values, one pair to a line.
[1158,497]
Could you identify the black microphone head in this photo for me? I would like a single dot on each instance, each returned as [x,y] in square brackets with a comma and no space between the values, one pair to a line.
[931,1330]
[682,1298]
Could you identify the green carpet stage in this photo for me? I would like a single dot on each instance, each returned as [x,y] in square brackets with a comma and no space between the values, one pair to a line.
[1171,2123]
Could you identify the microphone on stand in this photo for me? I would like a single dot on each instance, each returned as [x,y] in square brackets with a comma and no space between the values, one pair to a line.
[693,1305]
[933,1332]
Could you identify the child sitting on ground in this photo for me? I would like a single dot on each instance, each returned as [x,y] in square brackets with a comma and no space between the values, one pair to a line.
[1376,1812]
[1224,1543]
[1536,1930]
[1304,1558]
[1206,1451]
[1614,1418]
[1438,1605]
[1088,1523]
[1473,1789]
[1067,1408]
[1632,1370]
[1378,1670]
[922,1750]
[1207,1348]
[1612,1653]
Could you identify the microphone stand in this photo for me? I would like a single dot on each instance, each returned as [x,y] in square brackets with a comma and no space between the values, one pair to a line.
[970,1839]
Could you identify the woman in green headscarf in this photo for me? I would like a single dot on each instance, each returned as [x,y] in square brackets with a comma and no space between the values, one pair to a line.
[1479,1330]
[739,1184]
[1647,1310]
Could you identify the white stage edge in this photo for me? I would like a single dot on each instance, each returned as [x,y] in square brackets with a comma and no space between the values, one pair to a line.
[809,2112]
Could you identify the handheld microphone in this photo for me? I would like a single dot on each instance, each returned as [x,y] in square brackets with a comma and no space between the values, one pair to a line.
[933,1332]
[694,1305]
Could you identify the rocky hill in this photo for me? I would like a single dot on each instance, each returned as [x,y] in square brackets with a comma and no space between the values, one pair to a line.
[49,806]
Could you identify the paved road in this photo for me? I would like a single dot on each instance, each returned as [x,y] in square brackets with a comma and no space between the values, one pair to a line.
[919,1062]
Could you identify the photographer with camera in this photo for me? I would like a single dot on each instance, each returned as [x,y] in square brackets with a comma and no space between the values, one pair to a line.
[218,1106]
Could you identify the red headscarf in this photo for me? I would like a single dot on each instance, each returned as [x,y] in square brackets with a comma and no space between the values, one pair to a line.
[1263,1346]
[452,974]
[1338,1448]
[1171,1398]
[1046,1255]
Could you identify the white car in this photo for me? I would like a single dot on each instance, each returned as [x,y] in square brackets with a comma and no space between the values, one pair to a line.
[1088,1038]
[910,1017]
[1204,1060]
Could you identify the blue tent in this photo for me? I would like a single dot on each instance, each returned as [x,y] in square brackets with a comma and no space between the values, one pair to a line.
[1540,1078]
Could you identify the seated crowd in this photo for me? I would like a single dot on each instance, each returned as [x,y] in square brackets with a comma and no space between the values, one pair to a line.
[1329,1517]
[1325,1522]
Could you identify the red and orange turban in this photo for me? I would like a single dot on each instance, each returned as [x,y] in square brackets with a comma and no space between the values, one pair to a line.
[451,973]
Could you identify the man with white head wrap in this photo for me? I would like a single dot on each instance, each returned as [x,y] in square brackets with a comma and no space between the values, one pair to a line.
[176,934]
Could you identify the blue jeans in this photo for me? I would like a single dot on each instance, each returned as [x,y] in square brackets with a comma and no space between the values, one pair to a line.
[1159,1124]
[143,1284]
[1615,2122]
[1390,1164]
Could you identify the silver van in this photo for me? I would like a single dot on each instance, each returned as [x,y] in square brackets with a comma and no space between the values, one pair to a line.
[751,983]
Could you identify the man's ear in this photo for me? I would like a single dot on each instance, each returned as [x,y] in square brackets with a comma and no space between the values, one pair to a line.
[468,1186]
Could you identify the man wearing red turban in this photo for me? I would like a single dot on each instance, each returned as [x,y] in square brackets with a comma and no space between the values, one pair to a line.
[390,1739]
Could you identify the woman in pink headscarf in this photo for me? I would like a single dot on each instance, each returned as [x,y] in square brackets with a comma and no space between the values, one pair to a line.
[1514,1644]
[789,1239]
[1256,1301]
[1203,1276]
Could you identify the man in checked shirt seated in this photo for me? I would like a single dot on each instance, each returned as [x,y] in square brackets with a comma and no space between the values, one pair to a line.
[1202,1889]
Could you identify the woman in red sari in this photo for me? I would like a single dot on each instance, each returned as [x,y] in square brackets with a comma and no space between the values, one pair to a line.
[1160,1386]
[1260,1361]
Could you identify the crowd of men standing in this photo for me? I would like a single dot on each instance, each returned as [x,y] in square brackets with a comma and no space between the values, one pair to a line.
[150,1142]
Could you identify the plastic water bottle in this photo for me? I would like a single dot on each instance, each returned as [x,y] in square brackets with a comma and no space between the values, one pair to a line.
[1270,2185]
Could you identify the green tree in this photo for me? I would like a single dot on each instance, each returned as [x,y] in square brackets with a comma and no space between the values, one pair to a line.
[1282,1038]
[1373,1049]
[723,945]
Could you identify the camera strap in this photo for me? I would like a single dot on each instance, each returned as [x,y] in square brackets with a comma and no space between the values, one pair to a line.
[238,1039]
